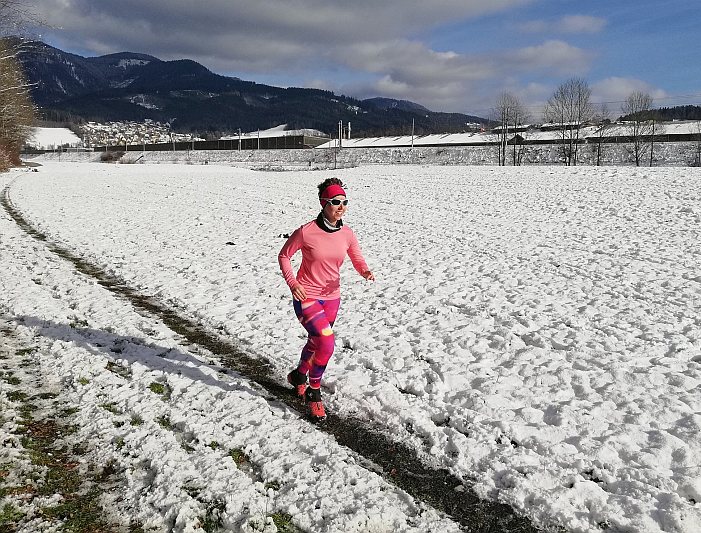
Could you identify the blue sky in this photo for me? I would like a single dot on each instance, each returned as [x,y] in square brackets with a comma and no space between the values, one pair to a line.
[448,55]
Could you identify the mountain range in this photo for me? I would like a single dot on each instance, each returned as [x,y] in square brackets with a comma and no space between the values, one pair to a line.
[132,86]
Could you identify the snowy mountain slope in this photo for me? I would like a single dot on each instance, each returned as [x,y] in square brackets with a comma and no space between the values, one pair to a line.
[102,88]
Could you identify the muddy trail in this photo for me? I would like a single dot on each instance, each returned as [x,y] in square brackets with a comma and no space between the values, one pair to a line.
[396,462]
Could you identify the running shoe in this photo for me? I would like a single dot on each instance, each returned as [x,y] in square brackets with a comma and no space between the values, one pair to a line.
[298,381]
[315,405]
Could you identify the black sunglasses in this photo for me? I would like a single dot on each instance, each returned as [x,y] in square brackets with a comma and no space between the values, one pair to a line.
[336,201]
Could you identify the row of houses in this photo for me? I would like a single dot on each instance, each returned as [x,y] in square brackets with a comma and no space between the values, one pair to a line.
[279,139]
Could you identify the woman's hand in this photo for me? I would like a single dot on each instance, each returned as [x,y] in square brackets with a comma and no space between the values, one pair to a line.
[298,293]
[368,275]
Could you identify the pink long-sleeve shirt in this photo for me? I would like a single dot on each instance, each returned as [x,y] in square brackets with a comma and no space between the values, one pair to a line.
[323,254]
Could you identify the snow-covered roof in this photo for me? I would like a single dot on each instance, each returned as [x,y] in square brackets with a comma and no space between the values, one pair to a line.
[685,127]
[47,138]
[533,135]
[418,140]
[277,131]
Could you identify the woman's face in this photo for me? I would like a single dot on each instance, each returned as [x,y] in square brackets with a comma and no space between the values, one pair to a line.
[334,213]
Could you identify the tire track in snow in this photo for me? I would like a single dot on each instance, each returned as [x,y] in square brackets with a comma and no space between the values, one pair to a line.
[398,463]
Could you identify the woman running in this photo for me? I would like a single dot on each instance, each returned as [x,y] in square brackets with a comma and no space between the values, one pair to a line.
[316,290]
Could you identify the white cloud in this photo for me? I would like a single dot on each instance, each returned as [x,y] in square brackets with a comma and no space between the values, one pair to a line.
[569,24]
[311,23]
[563,58]
[581,24]
[615,90]
[448,81]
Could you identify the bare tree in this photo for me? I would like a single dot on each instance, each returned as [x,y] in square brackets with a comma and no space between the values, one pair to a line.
[602,119]
[16,108]
[17,111]
[509,113]
[569,108]
[637,111]
[657,129]
[697,134]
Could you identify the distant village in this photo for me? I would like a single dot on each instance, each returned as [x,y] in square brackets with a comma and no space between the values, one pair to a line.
[150,135]
[130,133]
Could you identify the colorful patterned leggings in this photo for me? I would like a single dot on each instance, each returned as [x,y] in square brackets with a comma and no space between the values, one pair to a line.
[317,317]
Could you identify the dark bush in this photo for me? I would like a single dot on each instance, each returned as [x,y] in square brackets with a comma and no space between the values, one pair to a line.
[111,156]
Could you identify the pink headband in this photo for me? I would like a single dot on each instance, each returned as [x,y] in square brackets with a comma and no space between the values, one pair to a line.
[331,191]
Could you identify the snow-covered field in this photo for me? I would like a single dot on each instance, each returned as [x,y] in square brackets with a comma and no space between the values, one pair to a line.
[50,138]
[535,330]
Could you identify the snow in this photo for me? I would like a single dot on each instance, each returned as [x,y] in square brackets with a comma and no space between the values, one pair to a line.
[535,330]
[277,131]
[475,138]
[48,138]
[681,127]
[124,63]
[446,139]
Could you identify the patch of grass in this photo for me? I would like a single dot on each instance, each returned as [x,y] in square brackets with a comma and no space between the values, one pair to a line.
[78,323]
[239,456]
[17,490]
[119,442]
[212,519]
[26,410]
[9,514]
[111,408]
[283,523]
[275,485]
[164,422]
[83,381]
[162,389]
[47,395]
[118,369]
[61,477]
[80,449]
[16,396]
[136,420]
[214,445]
[158,388]
[50,465]
[79,513]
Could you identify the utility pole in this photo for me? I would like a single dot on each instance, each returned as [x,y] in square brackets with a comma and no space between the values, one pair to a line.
[412,133]
[239,139]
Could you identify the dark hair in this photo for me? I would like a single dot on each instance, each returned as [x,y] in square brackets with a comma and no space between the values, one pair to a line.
[327,182]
